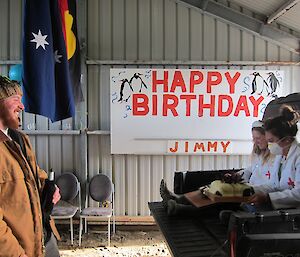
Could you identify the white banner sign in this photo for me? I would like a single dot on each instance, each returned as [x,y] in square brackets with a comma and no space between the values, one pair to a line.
[188,111]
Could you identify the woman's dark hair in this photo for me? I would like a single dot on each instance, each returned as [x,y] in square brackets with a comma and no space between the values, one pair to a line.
[284,125]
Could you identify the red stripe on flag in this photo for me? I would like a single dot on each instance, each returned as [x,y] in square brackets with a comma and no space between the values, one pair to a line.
[63,7]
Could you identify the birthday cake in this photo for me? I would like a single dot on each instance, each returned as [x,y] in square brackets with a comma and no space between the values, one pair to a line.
[221,188]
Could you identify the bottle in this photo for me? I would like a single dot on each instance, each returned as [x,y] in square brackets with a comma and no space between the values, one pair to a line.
[51,175]
[47,203]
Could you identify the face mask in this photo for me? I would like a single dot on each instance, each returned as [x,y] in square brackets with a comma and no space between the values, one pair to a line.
[275,149]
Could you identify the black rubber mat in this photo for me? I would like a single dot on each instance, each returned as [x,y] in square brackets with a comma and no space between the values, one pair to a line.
[190,236]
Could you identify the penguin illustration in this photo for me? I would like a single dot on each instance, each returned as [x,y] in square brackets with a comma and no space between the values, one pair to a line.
[124,90]
[137,76]
[257,80]
[273,83]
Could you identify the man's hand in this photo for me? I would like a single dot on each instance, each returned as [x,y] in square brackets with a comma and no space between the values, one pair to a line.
[56,196]
[23,255]
[259,198]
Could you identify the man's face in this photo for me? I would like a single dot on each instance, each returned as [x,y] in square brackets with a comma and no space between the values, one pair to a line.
[10,109]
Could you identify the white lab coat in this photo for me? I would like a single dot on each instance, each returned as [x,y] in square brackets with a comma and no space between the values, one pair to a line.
[258,173]
[284,192]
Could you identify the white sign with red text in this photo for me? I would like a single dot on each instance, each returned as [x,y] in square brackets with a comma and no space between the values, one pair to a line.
[188,111]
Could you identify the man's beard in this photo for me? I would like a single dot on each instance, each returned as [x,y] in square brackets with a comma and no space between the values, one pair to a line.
[13,123]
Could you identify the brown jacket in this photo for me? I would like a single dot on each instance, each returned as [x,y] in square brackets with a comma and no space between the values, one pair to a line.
[21,180]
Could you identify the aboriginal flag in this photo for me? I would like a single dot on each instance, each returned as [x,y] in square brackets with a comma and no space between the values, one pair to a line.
[69,25]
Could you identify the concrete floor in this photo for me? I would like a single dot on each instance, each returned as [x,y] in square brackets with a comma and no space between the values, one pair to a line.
[128,241]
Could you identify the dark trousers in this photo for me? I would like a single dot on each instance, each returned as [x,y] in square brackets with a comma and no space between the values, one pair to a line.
[51,249]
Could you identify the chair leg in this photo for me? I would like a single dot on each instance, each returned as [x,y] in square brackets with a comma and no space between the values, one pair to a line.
[85,225]
[114,224]
[80,230]
[108,230]
[71,228]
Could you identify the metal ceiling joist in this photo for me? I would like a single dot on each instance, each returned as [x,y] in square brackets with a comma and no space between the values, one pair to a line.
[246,22]
[282,10]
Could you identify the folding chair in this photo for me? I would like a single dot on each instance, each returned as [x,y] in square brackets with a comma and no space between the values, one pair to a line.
[101,190]
[69,188]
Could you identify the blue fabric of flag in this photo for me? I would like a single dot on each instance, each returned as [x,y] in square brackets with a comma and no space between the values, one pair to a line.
[46,79]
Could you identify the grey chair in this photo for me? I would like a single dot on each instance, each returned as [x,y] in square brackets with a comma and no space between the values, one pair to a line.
[101,190]
[69,188]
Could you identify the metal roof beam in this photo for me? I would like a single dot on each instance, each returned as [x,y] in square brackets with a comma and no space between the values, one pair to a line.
[246,22]
[282,10]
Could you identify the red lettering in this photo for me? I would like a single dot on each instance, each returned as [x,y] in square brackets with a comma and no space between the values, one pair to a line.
[221,100]
[178,82]
[140,101]
[214,78]
[186,147]
[242,105]
[213,145]
[225,145]
[232,81]
[170,106]
[194,81]
[210,105]
[156,81]
[174,150]
[256,103]
[154,104]
[199,146]
[188,99]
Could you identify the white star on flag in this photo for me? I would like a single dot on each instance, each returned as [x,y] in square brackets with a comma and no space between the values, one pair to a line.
[57,56]
[40,40]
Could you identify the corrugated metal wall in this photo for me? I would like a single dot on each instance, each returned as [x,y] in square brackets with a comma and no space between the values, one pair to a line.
[160,30]
[121,32]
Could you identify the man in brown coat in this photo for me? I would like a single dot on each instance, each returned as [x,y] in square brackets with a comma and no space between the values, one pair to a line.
[21,182]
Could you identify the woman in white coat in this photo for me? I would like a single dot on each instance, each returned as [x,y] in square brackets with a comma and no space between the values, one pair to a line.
[258,173]
[284,189]
[260,170]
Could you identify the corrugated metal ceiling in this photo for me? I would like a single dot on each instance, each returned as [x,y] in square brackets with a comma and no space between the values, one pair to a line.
[290,19]
[265,7]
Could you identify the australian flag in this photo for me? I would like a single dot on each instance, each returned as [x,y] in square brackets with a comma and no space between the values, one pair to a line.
[47,83]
